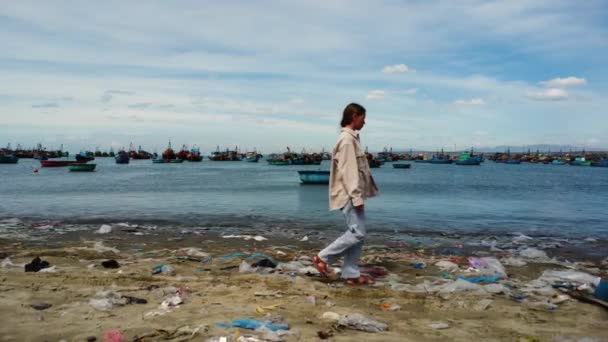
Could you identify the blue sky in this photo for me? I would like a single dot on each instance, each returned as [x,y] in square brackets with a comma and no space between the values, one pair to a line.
[269,74]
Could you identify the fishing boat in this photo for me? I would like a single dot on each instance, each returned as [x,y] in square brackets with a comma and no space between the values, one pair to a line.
[401,166]
[84,157]
[58,163]
[169,154]
[601,163]
[580,161]
[228,155]
[277,161]
[314,177]
[8,159]
[122,157]
[252,157]
[167,161]
[194,155]
[82,167]
[558,162]
[183,153]
[467,158]
[513,161]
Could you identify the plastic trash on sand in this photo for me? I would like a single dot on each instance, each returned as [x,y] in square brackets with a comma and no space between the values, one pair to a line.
[533,253]
[163,269]
[482,279]
[459,286]
[357,321]
[253,324]
[245,237]
[447,266]
[488,266]
[439,325]
[330,316]
[114,335]
[104,229]
[574,278]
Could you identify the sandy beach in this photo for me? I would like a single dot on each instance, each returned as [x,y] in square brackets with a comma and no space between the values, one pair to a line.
[207,283]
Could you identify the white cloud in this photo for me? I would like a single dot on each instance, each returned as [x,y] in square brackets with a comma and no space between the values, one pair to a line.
[376,95]
[410,91]
[296,101]
[552,94]
[396,69]
[471,102]
[564,82]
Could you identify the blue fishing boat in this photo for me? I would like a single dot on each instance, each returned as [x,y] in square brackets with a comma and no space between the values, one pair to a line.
[314,177]
[401,166]
[601,163]
[440,160]
[122,157]
[513,161]
[8,159]
[558,162]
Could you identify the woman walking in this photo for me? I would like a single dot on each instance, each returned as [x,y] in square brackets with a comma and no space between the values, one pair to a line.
[350,184]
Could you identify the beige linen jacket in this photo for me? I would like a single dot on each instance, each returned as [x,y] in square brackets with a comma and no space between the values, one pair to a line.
[350,177]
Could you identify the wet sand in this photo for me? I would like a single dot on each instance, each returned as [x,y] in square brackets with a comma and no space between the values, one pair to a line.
[215,291]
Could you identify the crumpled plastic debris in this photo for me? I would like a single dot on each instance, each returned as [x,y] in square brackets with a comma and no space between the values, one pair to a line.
[488,266]
[253,324]
[104,229]
[163,269]
[245,237]
[439,325]
[358,321]
[533,253]
[447,266]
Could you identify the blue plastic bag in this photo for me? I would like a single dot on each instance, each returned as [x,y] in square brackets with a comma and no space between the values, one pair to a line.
[253,324]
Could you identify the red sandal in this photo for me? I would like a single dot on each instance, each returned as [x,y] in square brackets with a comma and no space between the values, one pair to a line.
[321,266]
[360,281]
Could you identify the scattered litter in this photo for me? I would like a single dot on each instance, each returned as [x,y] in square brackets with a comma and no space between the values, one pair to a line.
[513,261]
[253,324]
[163,269]
[357,321]
[104,229]
[447,266]
[262,310]
[533,253]
[330,316]
[304,239]
[245,237]
[41,306]
[114,335]
[481,279]
[488,266]
[418,265]
[51,269]
[521,238]
[390,306]
[312,300]
[439,325]
[180,334]
[483,305]
[6,263]
[36,265]
[110,264]
[264,263]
